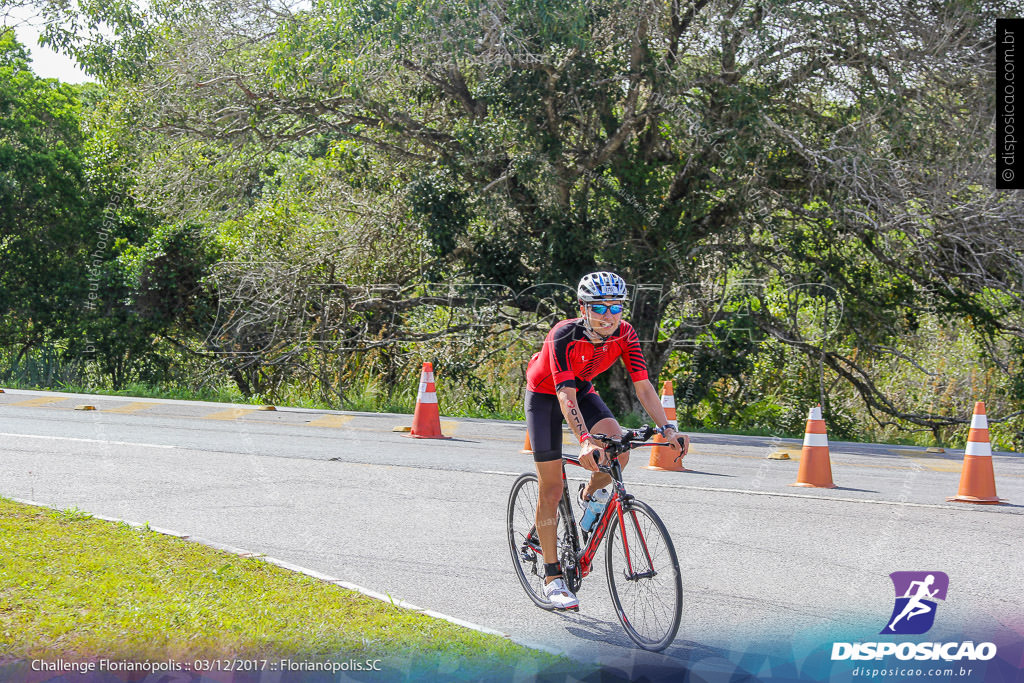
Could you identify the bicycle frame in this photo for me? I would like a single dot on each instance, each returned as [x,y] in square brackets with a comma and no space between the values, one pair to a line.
[616,506]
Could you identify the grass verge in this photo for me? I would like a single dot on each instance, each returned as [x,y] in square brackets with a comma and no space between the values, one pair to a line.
[75,587]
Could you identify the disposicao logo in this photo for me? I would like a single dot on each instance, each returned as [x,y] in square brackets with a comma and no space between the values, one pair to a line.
[914,614]
[916,592]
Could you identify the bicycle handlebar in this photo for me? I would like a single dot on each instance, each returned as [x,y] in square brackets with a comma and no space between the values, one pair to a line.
[629,436]
[630,439]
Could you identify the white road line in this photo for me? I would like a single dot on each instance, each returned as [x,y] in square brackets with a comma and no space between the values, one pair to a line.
[103,441]
[797,495]
[712,489]
[752,492]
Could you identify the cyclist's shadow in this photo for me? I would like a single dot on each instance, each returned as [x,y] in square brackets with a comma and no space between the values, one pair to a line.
[596,629]
[637,664]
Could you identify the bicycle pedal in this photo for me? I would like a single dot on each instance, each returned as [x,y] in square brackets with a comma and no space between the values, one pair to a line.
[565,609]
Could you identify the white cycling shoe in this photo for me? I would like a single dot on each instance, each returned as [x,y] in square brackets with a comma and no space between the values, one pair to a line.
[560,597]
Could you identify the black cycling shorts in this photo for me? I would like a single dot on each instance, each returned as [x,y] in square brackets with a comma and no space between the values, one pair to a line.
[544,421]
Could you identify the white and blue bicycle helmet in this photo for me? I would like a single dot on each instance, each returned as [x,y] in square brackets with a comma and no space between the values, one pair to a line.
[601,286]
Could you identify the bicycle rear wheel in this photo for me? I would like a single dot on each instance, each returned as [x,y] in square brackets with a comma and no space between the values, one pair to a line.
[643,577]
[522,539]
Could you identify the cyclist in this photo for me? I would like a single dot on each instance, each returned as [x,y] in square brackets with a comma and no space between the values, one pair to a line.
[559,386]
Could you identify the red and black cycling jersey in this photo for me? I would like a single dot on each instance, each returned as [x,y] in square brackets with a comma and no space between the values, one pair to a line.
[569,358]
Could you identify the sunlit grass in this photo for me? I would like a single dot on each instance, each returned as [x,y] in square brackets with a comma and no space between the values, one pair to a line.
[76,587]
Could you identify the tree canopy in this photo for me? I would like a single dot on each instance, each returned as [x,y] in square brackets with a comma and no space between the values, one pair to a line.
[808,177]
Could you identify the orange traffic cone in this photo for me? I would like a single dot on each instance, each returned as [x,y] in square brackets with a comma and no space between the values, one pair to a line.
[977,480]
[815,465]
[426,421]
[662,457]
[527,448]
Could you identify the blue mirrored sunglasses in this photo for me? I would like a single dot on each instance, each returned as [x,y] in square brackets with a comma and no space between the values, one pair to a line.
[601,309]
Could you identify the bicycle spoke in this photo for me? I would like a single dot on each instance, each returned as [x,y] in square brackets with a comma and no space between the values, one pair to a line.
[527,561]
[521,506]
[646,589]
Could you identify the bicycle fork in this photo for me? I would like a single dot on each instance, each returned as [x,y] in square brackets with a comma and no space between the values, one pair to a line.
[616,507]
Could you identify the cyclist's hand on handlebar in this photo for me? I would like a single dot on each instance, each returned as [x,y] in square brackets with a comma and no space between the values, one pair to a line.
[677,441]
[592,454]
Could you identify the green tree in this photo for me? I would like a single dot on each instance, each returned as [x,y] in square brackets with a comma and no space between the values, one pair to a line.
[44,209]
[87,274]
[791,142]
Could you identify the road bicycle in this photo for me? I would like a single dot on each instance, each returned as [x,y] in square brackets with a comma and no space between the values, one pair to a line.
[640,560]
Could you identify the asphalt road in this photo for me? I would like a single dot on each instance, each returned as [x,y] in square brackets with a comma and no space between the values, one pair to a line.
[771,574]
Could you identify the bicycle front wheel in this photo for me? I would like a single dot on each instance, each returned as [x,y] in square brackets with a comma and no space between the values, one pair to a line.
[643,577]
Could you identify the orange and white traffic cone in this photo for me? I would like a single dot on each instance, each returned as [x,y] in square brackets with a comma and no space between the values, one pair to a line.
[977,480]
[527,447]
[662,457]
[815,465]
[426,421]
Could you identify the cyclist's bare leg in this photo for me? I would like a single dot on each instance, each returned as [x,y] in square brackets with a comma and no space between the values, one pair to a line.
[608,426]
[549,478]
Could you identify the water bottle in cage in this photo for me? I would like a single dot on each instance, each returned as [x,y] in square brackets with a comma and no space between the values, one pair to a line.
[595,508]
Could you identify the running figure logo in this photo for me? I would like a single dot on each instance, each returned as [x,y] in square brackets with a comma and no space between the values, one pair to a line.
[916,592]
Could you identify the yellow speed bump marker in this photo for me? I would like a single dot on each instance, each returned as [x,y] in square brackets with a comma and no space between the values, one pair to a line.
[267,407]
[85,407]
[784,453]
